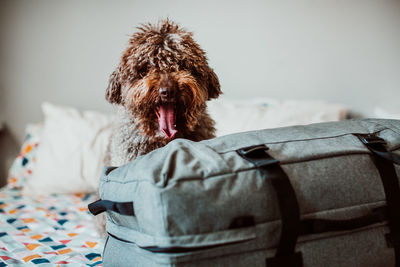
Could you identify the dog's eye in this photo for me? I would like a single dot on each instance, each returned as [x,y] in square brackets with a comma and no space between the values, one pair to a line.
[142,71]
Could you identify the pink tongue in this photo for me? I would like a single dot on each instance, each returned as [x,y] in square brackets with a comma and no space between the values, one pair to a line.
[166,120]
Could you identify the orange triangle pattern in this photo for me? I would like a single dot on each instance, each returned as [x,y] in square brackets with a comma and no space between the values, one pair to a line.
[37,237]
[64,251]
[31,257]
[72,234]
[91,244]
[32,246]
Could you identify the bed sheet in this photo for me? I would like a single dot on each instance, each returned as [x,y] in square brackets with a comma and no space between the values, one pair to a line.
[55,230]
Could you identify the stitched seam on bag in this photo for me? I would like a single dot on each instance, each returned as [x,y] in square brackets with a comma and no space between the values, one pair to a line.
[395,147]
[338,209]
[304,239]
[161,258]
[256,168]
[233,173]
[396,132]
[251,235]
[164,212]
[177,259]
[301,140]
[378,123]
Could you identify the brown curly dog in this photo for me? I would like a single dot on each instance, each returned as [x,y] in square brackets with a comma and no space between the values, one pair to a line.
[161,87]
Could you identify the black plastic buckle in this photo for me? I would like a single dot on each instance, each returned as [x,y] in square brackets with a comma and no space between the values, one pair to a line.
[96,207]
[257,155]
[369,139]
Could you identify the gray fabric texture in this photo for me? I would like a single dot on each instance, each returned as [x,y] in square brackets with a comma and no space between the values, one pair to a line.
[187,194]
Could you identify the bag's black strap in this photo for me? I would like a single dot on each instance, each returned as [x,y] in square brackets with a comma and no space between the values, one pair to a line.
[288,206]
[384,160]
[316,226]
[377,146]
[99,206]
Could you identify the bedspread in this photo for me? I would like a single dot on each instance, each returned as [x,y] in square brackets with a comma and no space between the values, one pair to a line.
[55,230]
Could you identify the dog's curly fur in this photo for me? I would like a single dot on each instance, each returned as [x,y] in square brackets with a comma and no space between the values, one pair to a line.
[161,86]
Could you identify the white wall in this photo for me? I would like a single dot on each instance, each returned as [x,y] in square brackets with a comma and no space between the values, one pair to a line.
[343,51]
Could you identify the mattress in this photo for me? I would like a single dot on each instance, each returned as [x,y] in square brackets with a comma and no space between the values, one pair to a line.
[49,230]
[55,230]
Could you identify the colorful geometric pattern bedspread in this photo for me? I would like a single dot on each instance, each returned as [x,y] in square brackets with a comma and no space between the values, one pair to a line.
[51,231]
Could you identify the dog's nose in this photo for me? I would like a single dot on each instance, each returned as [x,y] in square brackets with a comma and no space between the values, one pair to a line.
[163,92]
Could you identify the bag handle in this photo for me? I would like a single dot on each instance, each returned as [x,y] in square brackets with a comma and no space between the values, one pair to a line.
[100,206]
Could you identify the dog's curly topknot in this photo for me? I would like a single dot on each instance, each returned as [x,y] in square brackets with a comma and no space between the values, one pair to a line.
[161,85]
[164,47]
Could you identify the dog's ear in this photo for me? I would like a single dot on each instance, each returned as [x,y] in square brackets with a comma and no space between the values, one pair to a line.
[113,92]
[213,86]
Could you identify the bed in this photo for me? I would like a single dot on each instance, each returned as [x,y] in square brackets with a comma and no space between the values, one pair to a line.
[51,230]
[54,229]
[44,218]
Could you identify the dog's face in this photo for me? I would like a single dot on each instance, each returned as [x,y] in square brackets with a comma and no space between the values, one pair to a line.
[163,80]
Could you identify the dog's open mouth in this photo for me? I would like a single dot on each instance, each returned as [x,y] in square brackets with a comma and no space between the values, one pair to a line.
[166,119]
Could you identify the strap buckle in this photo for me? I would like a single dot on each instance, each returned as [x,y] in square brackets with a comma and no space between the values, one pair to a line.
[257,155]
[369,139]
[101,205]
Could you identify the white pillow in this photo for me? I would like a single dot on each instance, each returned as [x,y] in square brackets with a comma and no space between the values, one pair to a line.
[384,114]
[233,116]
[70,154]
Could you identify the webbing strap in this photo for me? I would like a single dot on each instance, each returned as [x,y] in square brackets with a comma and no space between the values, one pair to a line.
[384,160]
[376,146]
[287,202]
[317,226]
[123,208]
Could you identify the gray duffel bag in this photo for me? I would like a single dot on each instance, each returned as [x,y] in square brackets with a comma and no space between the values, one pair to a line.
[318,195]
